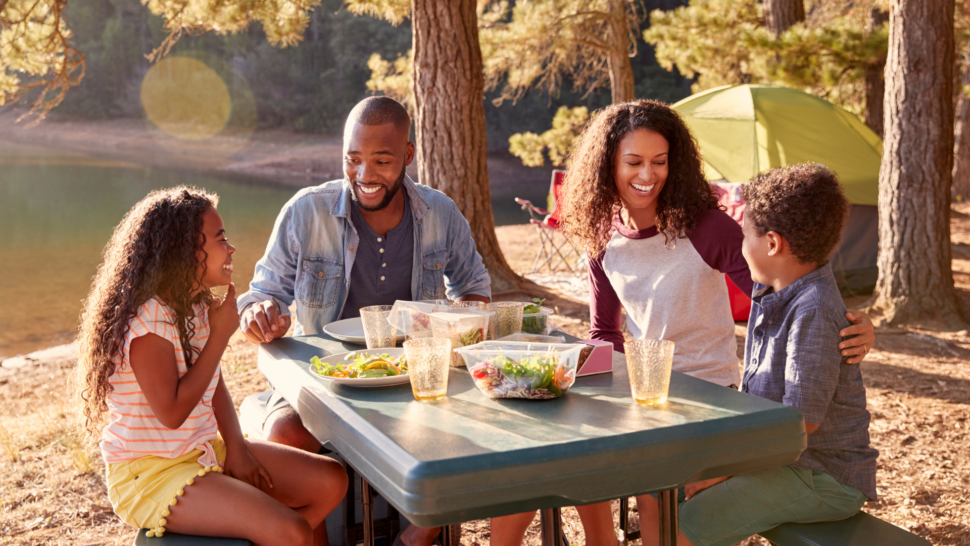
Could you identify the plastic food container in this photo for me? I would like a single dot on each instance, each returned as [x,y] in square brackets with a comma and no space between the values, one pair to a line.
[537,323]
[535,371]
[533,338]
[462,326]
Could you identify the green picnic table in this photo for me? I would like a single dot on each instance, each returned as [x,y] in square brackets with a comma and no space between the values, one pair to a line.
[469,457]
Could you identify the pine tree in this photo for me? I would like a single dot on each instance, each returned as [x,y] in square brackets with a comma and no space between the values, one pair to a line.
[915,282]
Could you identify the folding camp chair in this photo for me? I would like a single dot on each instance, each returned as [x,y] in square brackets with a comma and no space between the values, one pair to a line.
[554,250]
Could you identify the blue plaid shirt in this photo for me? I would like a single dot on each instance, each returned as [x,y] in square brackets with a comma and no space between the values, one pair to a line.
[791,356]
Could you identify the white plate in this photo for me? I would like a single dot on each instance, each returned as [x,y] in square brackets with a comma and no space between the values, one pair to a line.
[367,381]
[350,330]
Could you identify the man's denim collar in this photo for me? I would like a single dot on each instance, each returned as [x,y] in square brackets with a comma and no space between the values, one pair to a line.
[341,207]
[769,300]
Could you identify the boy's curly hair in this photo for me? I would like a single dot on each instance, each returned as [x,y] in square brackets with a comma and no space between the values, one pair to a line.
[590,199]
[155,250]
[802,203]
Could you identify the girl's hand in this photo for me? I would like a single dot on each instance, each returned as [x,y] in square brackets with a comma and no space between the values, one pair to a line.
[692,489]
[241,464]
[865,336]
[223,316]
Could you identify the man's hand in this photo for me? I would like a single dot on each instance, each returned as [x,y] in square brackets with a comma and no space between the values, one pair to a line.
[692,489]
[262,322]
[865,336]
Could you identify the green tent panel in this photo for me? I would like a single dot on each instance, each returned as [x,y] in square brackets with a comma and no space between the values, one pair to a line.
[745,129]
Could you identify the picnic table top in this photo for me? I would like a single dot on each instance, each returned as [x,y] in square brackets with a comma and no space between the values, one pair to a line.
[469,457]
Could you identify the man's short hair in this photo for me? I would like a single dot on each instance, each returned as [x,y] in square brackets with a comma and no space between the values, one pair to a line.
[380,111]
[802,203]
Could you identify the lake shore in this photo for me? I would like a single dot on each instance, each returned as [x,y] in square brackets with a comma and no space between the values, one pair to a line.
[270,156]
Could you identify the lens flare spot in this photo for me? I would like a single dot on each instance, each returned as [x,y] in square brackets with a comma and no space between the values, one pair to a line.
[185,98]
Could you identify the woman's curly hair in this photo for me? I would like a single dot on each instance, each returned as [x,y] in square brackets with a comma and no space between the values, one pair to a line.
[154,250]
[590,199]
[802,203]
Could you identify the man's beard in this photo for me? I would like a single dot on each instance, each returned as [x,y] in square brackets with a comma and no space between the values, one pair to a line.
[388,195]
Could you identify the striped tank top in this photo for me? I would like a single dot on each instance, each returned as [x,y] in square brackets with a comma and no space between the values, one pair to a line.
[133,431]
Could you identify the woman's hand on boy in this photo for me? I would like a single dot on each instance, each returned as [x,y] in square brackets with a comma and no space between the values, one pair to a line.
[223,317]
[861,336]
[241,464]
[692,489]
[263,322]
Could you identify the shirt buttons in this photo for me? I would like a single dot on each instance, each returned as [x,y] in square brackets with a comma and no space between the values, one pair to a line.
[382,251]
[382,277]
[383,265]
[320,274]
[379,239]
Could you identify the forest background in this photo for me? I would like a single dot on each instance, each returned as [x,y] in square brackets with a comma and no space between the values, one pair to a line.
[308,88]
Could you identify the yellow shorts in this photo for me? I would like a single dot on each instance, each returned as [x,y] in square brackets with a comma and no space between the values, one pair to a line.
[141,491]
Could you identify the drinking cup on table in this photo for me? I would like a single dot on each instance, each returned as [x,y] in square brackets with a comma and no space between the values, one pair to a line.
[648,362]
[379,333]
[429,360]
[508,317]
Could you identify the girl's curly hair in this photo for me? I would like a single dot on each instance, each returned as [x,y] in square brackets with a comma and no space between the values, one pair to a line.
[155,250]
[590,199]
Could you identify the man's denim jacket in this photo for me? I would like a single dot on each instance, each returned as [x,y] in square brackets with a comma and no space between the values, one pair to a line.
[313,245]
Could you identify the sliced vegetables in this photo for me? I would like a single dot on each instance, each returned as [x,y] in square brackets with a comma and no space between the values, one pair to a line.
[362,366]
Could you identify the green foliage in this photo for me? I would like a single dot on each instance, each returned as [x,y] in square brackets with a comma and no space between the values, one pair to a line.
[393,79]
[284,21]
[706,40]
[566,127]
[36,54]
[722,42]
[542,44]
[392,11]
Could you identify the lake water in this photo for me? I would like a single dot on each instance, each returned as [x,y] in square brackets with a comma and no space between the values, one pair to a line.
[57,213]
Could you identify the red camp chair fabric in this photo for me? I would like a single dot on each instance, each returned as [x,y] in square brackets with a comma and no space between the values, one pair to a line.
[555,250]
[729,196]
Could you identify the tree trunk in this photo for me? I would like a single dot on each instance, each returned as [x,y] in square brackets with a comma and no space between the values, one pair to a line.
[961,148]
[915,282]
[875,82]
[618,61]
[782,14]
[448,89]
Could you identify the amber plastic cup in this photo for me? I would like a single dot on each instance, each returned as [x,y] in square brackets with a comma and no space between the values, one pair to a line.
[429,360]
[508,317]
[379,333]
[648,362]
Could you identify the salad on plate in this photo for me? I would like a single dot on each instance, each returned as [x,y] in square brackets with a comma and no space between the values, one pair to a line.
[362,365]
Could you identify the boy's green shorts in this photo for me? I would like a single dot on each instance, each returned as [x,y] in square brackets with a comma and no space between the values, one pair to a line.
[748,504]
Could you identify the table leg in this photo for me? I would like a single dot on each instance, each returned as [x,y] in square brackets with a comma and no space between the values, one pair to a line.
[451,535]
[668,517]
[624,511]
[367,499]
[551,527]
[350,502]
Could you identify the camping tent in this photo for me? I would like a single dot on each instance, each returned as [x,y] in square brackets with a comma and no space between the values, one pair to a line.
[745,129]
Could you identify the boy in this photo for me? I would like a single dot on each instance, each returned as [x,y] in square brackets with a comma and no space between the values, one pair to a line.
[793,220]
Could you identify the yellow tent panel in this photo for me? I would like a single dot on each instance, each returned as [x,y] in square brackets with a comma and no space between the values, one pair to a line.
[745,129]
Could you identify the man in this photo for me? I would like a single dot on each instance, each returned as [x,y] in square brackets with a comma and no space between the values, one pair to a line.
[370,239]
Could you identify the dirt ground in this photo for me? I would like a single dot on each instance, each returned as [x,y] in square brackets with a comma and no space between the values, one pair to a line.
[918,385]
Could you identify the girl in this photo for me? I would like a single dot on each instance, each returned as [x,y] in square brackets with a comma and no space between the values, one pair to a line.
[151,338]
[636,198]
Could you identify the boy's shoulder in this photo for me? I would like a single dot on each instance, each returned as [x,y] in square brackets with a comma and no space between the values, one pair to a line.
[819,293]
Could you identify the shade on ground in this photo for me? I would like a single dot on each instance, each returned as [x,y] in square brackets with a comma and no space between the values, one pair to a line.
[745,129]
